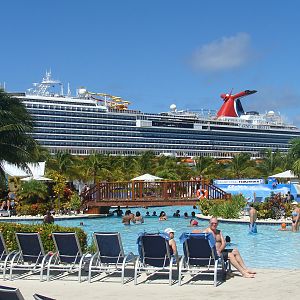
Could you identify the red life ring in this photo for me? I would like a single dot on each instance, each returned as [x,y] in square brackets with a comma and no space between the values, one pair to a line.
[202,194]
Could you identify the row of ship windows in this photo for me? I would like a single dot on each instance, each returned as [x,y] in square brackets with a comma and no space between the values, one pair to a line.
[85,115]
[194,135]
[67,103]
[158,141]
[149,146]
[153,129]
[106,115]
[85,121]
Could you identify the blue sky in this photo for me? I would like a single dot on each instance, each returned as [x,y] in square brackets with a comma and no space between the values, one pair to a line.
[155,53]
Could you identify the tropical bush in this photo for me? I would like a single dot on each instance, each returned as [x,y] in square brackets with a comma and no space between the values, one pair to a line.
[226,209]
[33,191]
[32,209]
[274,208]
[75,202]
[45,230]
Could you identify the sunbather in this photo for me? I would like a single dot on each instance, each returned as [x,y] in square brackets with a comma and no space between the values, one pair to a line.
[233,256]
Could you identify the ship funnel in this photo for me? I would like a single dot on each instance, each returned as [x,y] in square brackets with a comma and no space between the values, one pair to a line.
[232,106]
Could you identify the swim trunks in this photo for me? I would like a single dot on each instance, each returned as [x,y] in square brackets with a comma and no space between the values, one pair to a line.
[252,228]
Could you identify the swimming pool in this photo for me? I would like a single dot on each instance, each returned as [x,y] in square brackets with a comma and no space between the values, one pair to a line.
[269,248]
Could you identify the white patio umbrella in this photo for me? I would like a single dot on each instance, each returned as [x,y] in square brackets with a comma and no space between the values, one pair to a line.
[286,174]
[146,177]
[40,178]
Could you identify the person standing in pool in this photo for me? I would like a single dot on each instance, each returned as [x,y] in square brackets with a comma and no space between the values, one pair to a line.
[48,218]
[253,217]
[233,256]
[138,219]
[295,216]
[127,218]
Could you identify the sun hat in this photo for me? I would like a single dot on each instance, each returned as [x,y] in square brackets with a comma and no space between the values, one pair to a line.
[168,230]
[294,203]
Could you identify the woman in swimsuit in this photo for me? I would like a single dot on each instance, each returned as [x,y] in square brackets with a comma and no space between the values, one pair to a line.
[163,216]
[295,216]
[138,219]
[234,256]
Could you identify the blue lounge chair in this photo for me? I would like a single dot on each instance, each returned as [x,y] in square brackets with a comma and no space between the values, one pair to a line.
[110,257]
[31,256]
[68,257]
[154,256]
[5,256]
[10,293]
[200,256]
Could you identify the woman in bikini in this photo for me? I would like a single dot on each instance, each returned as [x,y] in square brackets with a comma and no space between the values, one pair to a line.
[233,256]
[295,216]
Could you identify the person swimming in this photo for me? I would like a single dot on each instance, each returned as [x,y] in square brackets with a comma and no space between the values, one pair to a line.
[193,222]
[283,227]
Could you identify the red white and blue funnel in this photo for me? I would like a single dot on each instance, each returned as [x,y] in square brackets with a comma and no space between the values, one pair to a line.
[232,106]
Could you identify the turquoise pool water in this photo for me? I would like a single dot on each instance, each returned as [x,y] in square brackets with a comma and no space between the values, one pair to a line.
[269,248]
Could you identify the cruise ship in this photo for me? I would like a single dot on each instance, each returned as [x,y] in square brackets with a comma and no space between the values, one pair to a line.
[97,122]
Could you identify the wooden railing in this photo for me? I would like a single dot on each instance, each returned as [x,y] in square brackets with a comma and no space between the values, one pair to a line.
[150,193]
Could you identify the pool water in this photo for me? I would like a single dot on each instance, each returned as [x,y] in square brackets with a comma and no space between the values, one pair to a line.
[269,248]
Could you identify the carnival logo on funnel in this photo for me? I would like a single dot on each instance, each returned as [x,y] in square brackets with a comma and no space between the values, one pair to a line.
[232,106]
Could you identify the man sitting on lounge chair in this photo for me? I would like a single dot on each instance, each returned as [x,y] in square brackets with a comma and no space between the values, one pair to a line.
[233,256]
[172,243]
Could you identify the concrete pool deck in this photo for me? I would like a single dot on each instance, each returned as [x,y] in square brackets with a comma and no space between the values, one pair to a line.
[246,219]
[268,284]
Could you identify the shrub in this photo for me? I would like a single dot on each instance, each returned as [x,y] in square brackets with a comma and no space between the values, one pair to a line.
[32,209]
[9,229]
[227,209]
[33,191]
[274,207]
[75,202]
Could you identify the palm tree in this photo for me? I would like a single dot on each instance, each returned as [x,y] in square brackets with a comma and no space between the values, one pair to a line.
[146,162]
[64,161]
[295,148]
[16,125]
[241,165]
[95,163]
[271,163]
[204,165]
[296,167]
[33,191]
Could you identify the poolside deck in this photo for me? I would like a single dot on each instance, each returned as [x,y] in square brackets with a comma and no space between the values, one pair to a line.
[268,285]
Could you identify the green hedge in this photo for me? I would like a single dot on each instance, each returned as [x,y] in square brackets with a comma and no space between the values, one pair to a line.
[9,233]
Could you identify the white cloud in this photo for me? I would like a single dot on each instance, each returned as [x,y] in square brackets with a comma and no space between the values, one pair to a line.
[224,54]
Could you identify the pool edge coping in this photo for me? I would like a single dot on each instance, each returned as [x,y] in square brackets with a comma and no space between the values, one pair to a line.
[245,221]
